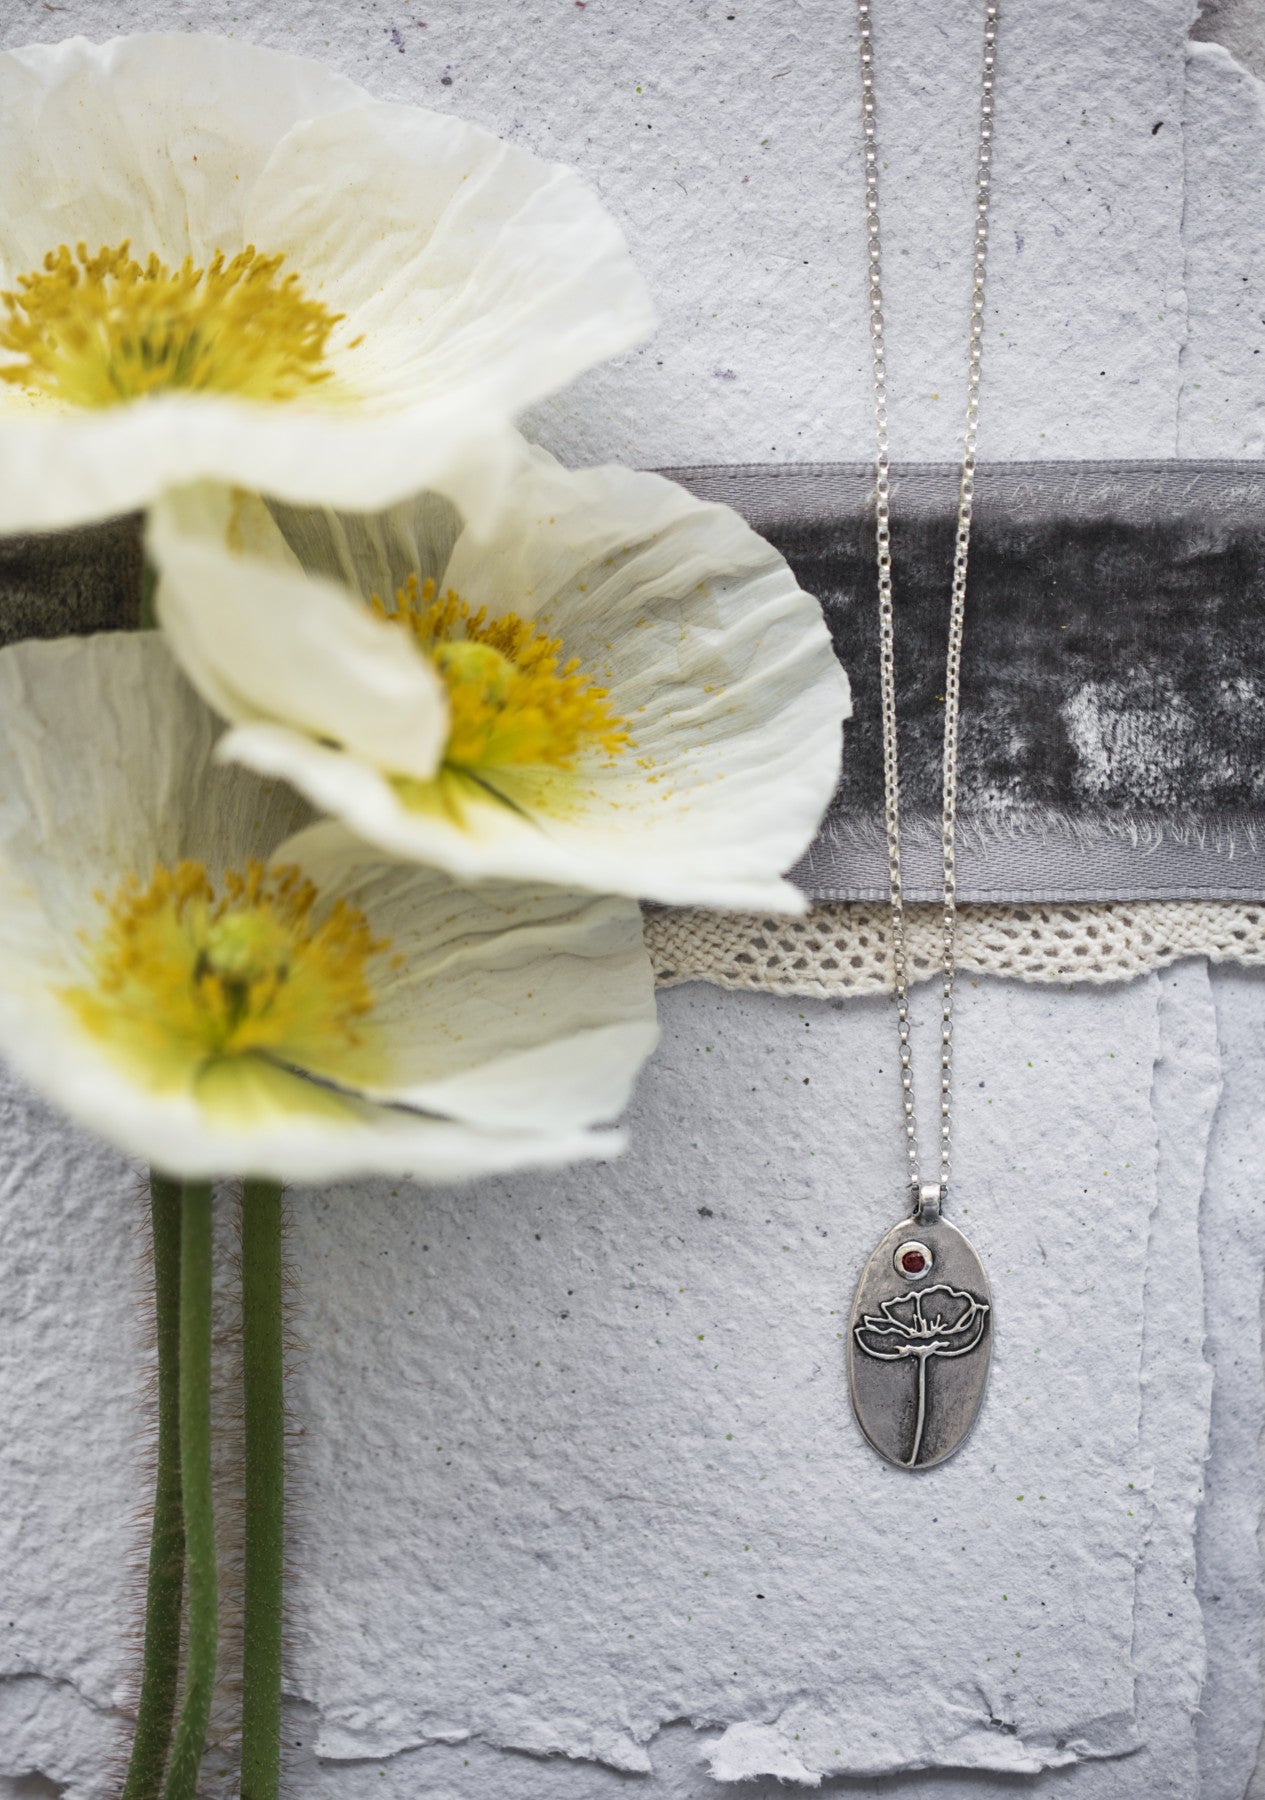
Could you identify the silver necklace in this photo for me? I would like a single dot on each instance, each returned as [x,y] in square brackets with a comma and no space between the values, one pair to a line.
[920,1338]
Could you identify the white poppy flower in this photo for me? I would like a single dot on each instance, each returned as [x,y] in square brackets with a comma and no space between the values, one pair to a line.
[219,261]
[173,978]
[640,699]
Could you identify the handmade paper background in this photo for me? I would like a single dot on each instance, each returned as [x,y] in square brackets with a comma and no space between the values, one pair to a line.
[584,1513]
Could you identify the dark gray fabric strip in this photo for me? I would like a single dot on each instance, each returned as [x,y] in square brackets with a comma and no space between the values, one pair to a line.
[71,583]
[1113,676]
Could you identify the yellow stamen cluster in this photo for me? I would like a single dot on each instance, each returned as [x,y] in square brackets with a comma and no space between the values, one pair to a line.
[512,699]
[205,972]
[98,330]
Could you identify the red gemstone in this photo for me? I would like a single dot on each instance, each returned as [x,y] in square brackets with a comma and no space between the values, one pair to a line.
[913,1262]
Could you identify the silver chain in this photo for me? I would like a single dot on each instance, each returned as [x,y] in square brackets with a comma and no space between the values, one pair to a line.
[957,602]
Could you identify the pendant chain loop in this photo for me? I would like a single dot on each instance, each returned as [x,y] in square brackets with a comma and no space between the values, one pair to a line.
[957,602]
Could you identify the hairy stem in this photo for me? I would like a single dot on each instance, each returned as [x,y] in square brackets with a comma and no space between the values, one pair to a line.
[195,1473]
[164,1591]
[262,1366]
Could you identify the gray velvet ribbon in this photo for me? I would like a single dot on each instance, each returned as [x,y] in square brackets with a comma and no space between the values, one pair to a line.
[1113,673]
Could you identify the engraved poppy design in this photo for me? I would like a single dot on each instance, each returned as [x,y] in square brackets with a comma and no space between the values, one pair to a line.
[938,1321]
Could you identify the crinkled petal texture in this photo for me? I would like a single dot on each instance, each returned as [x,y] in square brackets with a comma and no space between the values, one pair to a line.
[472,277]
[494,1027]
[718,667]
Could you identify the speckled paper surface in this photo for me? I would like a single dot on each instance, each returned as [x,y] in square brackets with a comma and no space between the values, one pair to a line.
[581,1501]
[646,1441]
[1230,1585]
[577,1461]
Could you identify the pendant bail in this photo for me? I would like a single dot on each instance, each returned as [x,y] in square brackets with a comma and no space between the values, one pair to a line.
[927,1198]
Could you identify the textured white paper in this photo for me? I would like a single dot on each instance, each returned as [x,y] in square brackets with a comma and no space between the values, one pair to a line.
[73,1482]
[1231,1586]
[597,1423]
[543,1557]
[1223,360]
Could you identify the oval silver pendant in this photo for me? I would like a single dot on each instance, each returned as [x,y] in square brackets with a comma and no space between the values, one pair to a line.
[920,1342]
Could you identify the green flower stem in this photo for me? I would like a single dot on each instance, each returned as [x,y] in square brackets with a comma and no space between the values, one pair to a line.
[147,616]
[160,1669]
[263,1371]
[195,1473]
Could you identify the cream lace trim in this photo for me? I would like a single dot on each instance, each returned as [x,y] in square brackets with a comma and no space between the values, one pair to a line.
[843,949]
